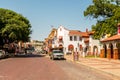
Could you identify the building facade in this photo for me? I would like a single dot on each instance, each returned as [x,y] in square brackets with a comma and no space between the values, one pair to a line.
[68,40]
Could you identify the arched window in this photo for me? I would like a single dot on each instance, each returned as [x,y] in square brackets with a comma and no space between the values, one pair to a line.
[70,47]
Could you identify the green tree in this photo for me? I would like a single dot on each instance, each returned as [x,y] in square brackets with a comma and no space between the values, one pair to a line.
[106,12]
[13,26]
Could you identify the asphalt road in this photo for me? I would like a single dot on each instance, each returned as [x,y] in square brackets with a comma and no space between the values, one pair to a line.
[36,67]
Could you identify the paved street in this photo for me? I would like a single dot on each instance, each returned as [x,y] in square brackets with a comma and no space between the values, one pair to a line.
[30,68]
[36,67]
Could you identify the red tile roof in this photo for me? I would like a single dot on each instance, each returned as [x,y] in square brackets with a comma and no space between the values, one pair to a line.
[115,37]
[84,34]
[74,32]
[77,32]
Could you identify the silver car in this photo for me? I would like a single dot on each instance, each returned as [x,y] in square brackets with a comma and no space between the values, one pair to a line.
[57,54]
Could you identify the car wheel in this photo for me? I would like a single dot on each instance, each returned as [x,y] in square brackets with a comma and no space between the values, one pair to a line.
[52,58]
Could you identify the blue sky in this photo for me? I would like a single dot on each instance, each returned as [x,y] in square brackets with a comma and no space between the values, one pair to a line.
[43,14]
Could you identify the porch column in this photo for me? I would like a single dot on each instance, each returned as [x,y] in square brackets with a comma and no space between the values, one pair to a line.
[108,53]
[115,55]
[102,53]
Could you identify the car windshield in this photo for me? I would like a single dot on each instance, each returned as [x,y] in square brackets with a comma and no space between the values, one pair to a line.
[57,51]
[0,51]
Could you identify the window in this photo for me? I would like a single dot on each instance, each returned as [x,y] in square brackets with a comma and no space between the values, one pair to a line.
[75,38]
[80,38]
[60,38]
[60,29]
[70,38]
[53,41]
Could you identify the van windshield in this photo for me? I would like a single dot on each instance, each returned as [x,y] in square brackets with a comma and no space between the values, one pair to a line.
[57,51]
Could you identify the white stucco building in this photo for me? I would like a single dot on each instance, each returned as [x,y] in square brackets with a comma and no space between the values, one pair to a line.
[68,40]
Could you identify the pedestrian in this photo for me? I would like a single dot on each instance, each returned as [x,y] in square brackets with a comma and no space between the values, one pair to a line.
[84,52]
[81,52]
[75,55]
[16,50]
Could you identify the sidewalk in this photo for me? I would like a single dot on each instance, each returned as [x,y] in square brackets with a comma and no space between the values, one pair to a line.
[109,66]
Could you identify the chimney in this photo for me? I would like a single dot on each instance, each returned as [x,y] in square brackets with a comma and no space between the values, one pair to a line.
[86,29]
[118,29]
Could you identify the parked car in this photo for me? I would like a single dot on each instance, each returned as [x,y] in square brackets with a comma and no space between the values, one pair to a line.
[2,53]
[29,50]
[43,52]
[57,54]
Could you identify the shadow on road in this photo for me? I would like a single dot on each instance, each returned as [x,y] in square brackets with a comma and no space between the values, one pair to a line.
[60,59]
[28,55]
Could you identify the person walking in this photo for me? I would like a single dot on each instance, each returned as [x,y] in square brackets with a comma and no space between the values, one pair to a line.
[75,55]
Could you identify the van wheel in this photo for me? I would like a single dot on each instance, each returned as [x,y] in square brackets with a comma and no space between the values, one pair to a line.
[52,58]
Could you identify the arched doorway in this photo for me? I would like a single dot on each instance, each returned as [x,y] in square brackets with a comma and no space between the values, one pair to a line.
[95,50]
[105,50]
[70,47]
[111,49]
[118,46]
[86,50]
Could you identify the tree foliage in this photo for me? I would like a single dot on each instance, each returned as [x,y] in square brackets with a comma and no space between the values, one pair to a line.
[13,26]
[106,12]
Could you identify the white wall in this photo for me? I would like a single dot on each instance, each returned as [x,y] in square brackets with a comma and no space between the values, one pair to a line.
[64,33]
[93,43]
